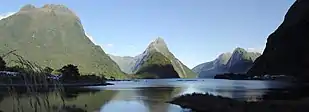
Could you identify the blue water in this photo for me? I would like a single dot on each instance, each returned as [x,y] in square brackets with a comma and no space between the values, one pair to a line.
[150,95]
[147,95]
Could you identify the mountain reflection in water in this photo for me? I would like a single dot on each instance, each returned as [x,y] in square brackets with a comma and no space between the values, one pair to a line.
[141,95]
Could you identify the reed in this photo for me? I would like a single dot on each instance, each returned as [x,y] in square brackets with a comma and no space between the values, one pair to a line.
[33,80]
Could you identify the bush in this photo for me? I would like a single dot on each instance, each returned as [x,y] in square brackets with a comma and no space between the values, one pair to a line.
[2,64]
[69,72]
[48,70]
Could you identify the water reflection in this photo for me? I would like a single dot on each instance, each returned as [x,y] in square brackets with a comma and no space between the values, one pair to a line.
[142,96]
[73,93]
[87,99]
[92,101]
[290,93]
[234,90]
[122,106]
[141,99]
[155,98]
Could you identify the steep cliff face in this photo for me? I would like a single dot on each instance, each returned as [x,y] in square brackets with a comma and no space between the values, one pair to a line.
[287,49]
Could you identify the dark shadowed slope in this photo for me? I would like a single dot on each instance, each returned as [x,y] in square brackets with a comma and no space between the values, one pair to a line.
[157,66]
[287,49]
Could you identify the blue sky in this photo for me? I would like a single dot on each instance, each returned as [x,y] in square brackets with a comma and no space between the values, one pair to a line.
[196,31]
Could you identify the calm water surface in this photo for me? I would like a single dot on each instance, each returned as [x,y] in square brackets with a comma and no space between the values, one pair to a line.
[143,95]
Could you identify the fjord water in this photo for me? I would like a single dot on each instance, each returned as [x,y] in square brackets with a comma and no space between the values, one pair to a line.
[145,95]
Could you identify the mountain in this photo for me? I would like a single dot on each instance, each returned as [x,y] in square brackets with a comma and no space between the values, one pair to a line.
[237,62]
[157,66]
[125,63]
[210,69]
[157,55]
[287,48]
[241,60]
[54,36]
[159,46]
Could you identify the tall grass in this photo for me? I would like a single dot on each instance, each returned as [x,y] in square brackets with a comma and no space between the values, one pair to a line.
[33,80]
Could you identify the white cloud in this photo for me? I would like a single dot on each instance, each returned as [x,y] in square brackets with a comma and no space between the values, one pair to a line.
[105,46]
[110,45]
[260,49]
[102,45]
[5,15]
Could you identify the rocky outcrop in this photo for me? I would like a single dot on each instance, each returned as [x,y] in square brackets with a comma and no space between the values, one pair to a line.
[287,49]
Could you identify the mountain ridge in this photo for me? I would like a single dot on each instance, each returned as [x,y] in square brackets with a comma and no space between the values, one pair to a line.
[239,61]
[124,62]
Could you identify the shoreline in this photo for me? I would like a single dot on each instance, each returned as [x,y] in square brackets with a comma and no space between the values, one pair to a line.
[54,85]
[210,103]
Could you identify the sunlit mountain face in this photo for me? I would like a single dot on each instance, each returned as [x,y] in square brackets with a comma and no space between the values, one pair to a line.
[155,62]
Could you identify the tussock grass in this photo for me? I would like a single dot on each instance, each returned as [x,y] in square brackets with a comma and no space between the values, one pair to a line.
[33,81]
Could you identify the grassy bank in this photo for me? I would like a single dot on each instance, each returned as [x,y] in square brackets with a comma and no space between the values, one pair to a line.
[210,103]
[33,81]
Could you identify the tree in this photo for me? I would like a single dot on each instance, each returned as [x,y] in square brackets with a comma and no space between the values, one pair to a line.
[48,70]
[2,64]
[112,78]
[102,76]
[69,72]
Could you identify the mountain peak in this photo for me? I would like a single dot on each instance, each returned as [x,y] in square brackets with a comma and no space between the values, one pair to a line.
[158,40]
[242,54]
[223,58]
[158,44]
[50,7]
[239,50]
[54,6]
[47,35]
[27,7]
[57,7]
